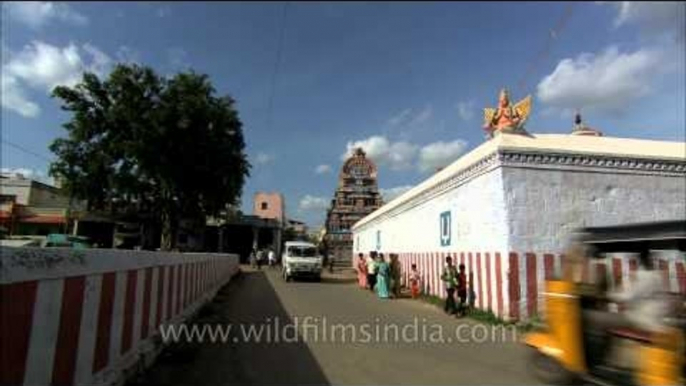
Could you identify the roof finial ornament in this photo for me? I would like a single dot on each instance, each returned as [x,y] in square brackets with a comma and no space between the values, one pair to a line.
[581,129]
[577,118]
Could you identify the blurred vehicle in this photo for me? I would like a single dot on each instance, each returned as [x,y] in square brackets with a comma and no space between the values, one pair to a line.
[301,259]
[567,349]
[22,241]
[66,241]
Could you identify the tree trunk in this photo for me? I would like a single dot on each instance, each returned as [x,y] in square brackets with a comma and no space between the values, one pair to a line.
[170,227]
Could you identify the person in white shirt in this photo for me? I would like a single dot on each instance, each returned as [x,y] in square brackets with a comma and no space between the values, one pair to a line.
[260,258]
[645,306]
[272,258]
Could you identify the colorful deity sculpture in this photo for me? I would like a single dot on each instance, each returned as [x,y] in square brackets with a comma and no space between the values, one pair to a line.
[506,117]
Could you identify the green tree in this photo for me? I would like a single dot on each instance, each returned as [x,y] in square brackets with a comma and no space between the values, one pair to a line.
[167,146]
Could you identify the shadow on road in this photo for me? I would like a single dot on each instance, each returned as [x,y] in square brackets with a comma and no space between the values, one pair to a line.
[249,300]
[338,280]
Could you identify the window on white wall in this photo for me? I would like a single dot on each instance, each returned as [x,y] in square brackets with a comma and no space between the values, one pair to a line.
[445,228]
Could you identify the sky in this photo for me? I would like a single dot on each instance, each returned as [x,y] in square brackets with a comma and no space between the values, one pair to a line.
[406,81]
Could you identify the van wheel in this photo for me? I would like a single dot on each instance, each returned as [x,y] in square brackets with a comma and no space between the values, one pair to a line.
[549,370]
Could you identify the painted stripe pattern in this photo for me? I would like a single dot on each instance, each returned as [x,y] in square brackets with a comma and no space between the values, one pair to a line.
[510,284]
[80,330]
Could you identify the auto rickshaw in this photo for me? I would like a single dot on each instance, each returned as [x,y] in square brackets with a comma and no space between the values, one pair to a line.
[567,350]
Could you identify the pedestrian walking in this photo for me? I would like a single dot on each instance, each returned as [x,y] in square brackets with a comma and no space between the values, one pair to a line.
[395,276]
[361,271]
[415,282]
[253,258]
[449,278]
[260,259]
[471,294]
[462,291]
[271,258]
[371,271]
[383,277]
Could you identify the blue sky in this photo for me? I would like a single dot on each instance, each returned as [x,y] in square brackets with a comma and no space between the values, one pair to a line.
[406,81]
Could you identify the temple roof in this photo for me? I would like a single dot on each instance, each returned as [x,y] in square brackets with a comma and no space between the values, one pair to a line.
[614,146]
[550,144]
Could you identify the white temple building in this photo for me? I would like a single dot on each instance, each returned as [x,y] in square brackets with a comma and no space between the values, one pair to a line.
[506,208]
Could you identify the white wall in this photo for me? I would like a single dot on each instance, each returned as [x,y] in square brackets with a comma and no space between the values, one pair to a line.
[517,214]
[477,210]
[544,205]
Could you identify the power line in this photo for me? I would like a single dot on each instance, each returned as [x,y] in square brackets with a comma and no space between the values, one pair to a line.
[552,37]
[25,150]
[277,65]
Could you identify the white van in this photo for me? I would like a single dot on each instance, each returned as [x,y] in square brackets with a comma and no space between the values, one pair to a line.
[299,259]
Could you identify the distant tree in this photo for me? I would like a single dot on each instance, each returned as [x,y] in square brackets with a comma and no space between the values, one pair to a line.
[165,145]
[289,234]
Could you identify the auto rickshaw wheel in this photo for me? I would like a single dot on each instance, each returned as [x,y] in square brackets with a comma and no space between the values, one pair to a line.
[549,370]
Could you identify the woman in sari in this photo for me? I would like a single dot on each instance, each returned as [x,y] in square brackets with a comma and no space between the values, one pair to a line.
[382,277]
[361,271]
[395,276]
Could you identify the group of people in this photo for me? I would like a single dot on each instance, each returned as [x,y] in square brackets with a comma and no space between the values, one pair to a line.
[258,257]
[378,275]
[455,283]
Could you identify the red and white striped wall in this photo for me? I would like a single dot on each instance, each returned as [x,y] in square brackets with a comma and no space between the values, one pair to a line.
[85,317]
[509,283]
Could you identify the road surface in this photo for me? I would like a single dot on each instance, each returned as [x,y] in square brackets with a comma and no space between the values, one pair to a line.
[376,357]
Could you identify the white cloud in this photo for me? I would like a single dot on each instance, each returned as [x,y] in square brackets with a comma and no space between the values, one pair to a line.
[465,110]
[42,66]
[128,55]
[400,117]
[36,14]
[605,82]
[163,11]
[409,117]
[405,155]
[323,169]
[391,193]
[652,17]
[313,203]
[14,98]
[440,154]
[396,155]
[423,116]
[263,158]
[32,174]
[178,57]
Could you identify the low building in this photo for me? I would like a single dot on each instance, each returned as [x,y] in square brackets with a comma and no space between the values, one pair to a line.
[269,206]
[30,207]
[505,210]
[297,229]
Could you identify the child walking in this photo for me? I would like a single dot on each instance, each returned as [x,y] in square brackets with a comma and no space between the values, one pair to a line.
[414,282]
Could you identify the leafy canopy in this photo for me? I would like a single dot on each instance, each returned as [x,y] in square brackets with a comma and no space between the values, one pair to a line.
[138,140]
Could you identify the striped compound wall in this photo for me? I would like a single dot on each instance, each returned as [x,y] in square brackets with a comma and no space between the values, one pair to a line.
[510,284]
[86,317]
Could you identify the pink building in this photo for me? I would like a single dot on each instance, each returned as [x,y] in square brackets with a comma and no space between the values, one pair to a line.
[269,206]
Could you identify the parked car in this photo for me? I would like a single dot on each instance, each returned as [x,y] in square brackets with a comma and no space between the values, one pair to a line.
[66,241]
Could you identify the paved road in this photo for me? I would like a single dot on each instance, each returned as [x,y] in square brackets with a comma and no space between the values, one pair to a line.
[256,296]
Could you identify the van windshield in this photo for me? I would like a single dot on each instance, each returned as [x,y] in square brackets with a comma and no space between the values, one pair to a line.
[302,251]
